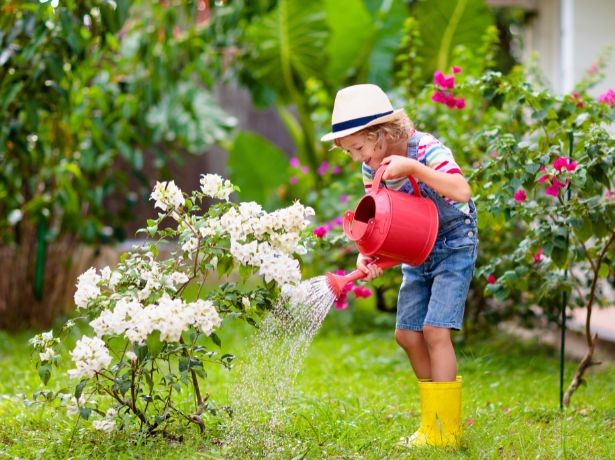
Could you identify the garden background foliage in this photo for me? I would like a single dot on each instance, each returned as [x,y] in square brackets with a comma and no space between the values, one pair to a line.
[90,89]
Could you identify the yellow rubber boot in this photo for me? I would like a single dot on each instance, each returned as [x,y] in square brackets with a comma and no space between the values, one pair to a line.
[440,415]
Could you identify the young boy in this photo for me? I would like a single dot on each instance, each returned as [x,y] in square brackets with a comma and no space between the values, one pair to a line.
[432,295]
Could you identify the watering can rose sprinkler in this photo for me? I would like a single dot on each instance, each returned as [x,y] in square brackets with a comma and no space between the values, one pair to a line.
[396,227]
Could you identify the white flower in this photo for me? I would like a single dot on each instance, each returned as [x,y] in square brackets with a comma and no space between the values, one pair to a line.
[190,245]
[47,354]
[47,336]
[167,196]
[90,356]
[178,278]
[131,356]
[204,316]
[105,273]
[87,288]
[106,426]
[245,302]
[216,187]
[111,413]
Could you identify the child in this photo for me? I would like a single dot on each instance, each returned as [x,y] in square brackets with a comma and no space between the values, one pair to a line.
[432,295]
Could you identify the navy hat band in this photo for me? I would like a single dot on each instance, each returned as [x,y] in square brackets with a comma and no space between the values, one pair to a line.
[357,122]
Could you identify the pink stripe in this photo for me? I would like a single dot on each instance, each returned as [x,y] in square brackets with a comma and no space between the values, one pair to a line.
[454,171]
[441,165]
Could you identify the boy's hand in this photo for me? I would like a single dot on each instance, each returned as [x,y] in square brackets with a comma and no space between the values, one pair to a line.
[364,264]
[398,166]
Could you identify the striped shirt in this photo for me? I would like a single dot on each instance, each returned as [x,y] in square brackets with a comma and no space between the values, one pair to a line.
[433,154]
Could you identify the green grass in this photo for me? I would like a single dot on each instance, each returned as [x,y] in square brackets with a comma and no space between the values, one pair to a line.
[354,398]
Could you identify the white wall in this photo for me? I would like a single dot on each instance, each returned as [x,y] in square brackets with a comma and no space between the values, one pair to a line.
[594,28]
[568,36]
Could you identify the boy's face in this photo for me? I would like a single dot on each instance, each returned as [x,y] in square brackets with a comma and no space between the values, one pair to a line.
[363,150]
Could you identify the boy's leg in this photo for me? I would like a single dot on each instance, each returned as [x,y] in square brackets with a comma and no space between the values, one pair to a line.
[415,347]
[441,353]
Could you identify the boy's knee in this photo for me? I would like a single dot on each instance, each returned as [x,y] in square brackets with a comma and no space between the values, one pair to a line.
[436,336]
[406,338]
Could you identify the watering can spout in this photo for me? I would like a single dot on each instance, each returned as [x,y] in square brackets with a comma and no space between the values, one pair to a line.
[338,282]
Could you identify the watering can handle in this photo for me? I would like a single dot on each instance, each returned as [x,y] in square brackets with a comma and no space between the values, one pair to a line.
[378,179]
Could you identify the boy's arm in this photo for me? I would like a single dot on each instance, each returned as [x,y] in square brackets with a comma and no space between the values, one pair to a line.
[453,186]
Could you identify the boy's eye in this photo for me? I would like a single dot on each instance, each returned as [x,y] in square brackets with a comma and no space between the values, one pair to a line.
[358,149]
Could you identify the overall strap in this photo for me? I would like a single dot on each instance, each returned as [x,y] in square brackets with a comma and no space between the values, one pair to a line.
[413,145]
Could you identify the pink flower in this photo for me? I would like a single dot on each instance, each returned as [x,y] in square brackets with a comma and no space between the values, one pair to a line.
[456,69]
[538,256]
[294,162]
[305,169]
[443,81]
[520,195]
[564,162]
[491,278]
[608,97]
[344,199]
[460,103]
[553,189]
[361,292]
[320,231]
[293,180]
[439,96]
[336,170]
[451,102]
[322,169]
[543,178]
[609,194]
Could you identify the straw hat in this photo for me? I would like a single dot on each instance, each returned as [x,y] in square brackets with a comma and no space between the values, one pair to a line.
[357,107]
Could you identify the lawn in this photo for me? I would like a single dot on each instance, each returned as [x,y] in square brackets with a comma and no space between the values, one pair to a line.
[354,398]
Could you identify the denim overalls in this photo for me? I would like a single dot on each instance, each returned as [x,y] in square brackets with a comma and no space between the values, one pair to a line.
[434,293]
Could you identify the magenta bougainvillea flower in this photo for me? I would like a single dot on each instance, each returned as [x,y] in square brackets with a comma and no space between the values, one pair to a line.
[491,278]
[564,162]
[293,180]
[445,85]
[555,184]
[607,97]
[538,256]
[323,168]
[520,195]
[320,231]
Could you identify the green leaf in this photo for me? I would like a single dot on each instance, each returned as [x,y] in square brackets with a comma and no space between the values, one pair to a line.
[287,45]
[258,167]
[79,388]
[44,372]
[84,412]
[445,24]
[154,345]
[352,30]
[216,339]
[603,272]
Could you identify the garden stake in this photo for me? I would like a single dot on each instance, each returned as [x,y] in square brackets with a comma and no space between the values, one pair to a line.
[396,227]
[564,294]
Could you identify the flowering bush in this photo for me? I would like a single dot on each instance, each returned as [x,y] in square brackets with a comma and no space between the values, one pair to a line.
[154,321]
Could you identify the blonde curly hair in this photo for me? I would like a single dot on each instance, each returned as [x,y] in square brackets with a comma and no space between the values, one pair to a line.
[395,131]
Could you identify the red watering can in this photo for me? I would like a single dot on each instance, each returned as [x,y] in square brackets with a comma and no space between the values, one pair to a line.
[396,227]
